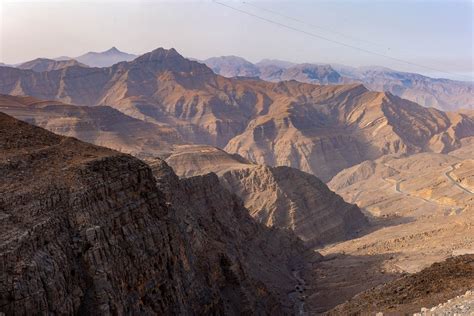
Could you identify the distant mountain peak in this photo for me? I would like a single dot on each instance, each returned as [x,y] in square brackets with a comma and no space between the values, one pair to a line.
[161,54]
[106,58]
[113,50]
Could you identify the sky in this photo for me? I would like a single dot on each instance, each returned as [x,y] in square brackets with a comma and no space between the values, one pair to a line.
[429,37]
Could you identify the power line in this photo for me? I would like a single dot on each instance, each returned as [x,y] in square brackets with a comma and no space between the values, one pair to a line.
[327,29]
[335,41]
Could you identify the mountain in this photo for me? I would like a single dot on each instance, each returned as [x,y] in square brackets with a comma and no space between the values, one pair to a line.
[317,129]
[316,214]
[105,59]
[232,66]
[100,125]
[309,73]
[273,70]
[89,230]
[448,95]
[277,197]
[336,127]
[444,94]
[274,62]
[44,64]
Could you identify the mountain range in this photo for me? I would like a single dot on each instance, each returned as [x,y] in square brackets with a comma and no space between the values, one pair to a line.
[226,194]
[443,94]
[317,129]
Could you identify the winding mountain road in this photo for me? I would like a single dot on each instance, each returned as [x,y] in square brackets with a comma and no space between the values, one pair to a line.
[448,175]
[397,189]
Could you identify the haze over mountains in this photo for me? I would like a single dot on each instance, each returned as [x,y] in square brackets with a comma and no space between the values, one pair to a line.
[443,94]
[229,211]
[102,59]
[317,129]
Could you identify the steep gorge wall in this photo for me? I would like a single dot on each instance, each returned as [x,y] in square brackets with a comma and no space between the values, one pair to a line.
[86,230]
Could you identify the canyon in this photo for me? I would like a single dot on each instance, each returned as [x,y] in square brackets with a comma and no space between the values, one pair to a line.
[89,230]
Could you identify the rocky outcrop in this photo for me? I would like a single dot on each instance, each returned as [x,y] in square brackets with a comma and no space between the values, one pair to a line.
[280,197]
[88,230]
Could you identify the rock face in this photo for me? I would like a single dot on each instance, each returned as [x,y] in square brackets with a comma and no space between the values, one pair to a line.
[88,230]
[44,64]
[276,196]
[317,129]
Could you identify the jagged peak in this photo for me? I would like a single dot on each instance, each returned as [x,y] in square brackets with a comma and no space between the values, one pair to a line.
[160,54]
[170,59]
[113,49]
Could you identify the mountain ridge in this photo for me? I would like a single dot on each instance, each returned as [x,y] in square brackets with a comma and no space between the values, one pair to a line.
[444,94]
[331,126]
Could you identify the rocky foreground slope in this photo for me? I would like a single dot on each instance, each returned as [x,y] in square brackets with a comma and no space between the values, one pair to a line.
[281,197]
[88,230]
[317,129]
[428,288]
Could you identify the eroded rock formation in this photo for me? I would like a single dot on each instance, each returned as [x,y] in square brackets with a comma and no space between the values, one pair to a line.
[89,230]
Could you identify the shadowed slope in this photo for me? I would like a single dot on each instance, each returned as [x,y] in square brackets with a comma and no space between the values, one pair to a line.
[276,196]
[87,230]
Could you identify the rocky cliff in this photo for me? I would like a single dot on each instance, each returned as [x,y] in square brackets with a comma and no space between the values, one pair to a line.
[89,230]
[276,196]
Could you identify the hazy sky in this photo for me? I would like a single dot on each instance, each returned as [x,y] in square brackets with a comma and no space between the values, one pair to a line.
[436,34]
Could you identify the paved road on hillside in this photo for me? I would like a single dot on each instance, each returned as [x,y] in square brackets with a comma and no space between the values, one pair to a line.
[448,175]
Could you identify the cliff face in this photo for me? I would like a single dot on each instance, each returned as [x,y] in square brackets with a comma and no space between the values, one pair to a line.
[289,198]
[86,230]
[237,252]
[280,197]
